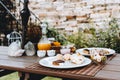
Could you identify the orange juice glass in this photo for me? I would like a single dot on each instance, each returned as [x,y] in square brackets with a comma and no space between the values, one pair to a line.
[44,46]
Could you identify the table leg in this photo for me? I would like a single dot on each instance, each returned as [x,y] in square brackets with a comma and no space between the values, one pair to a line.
[21,75]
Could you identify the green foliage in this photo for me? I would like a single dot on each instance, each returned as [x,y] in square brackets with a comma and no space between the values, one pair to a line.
[78,40]
[54,33]
[109,38]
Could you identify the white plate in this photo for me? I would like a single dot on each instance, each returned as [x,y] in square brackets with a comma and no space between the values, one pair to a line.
[111,51]
[47,62]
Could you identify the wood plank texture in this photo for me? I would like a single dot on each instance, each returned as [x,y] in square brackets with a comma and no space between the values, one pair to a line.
[112,68]
[110,75]
[89,70]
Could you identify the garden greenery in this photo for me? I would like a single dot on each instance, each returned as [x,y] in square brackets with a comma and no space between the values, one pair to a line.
[109,38]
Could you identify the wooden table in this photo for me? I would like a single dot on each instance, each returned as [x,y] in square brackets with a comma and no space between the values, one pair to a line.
[29,65]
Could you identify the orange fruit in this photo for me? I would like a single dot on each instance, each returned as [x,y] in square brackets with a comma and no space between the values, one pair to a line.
[56,43]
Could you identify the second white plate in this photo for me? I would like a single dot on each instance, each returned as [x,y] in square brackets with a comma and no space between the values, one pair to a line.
[111,51]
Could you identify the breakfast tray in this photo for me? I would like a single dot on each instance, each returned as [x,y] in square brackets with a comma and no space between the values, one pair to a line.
[89,70]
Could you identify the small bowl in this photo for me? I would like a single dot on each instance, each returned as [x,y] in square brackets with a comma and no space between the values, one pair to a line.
[51,53]
[41,53]
[65,51]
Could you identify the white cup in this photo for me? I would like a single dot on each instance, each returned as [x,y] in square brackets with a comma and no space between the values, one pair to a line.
[51,53]
[65,51]
[41,53]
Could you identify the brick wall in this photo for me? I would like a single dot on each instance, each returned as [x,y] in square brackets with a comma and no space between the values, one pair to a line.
[72,15]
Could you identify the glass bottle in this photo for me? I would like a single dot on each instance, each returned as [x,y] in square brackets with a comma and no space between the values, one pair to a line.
[25,14]
[44,43]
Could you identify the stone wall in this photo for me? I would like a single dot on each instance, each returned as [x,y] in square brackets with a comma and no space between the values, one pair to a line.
[72,15]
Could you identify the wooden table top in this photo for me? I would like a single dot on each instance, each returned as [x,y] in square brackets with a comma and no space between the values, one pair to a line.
[110,71]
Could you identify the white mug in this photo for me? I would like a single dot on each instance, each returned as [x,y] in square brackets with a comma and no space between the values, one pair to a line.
[41,53]
[51,53]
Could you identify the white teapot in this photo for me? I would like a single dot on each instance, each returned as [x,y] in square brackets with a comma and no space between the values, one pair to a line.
[15,49]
